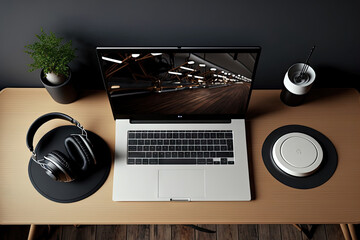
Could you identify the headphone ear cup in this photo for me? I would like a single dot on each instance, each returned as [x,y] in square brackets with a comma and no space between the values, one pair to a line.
[59,167]
[79,149]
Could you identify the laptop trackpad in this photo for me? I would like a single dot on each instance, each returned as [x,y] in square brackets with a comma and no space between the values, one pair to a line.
[182,184]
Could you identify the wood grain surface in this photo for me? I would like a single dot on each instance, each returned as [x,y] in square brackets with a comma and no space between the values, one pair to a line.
[334,112]
[119,232]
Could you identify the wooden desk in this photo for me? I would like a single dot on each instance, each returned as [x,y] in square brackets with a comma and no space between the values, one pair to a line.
[334,112]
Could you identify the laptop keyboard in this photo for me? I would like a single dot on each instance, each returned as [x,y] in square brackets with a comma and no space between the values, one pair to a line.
[180,147]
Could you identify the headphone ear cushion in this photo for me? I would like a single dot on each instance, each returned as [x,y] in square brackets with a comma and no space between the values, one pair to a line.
[62,166]
[80,151]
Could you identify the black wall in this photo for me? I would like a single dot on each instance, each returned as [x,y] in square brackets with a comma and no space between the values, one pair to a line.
[286,31]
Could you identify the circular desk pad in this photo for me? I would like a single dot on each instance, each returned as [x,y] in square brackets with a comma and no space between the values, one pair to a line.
[319,177]
[78,189]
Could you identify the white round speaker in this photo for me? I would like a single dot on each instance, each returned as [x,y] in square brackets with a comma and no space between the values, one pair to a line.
[297,154]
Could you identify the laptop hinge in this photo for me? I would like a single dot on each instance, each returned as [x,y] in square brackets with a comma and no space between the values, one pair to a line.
[181,121]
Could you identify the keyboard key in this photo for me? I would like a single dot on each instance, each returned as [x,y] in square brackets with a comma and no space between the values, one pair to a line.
[148,154]
[136,154]
[132,148]
[209,161]
[131,161]
[231,162]
[145,161]
[168,154]
[154,161]
[224,154]
[220,135]
[177,161]
[139,148]
[201,161]
[132,142]
[228,135]
[131,135]
[224,161]
[138,161]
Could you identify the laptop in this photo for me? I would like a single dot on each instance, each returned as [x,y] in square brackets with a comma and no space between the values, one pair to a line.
[180,121]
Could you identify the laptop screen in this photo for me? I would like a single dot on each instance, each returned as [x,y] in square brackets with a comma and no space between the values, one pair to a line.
[178,83]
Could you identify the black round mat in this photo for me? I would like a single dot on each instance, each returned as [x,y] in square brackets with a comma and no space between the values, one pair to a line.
[78,189]
[327,167]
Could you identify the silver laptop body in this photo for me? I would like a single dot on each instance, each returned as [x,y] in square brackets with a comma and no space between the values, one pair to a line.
[179,136]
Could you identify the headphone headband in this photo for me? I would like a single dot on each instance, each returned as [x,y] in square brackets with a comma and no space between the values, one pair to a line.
[43,119]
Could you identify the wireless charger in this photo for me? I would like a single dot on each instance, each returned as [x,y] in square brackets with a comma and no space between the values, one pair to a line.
[299,156]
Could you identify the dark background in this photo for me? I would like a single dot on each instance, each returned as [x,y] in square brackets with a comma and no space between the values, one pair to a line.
[286,31]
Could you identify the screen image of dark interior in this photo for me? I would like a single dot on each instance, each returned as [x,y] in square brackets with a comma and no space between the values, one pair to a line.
[170,83]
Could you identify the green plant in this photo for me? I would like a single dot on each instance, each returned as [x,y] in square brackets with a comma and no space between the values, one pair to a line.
[50,54]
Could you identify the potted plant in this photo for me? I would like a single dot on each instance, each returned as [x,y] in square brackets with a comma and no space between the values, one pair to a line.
[53,58]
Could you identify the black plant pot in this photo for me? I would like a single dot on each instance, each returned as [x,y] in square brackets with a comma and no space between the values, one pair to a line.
[62,93]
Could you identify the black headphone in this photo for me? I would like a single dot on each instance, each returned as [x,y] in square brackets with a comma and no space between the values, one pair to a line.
[58,166]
